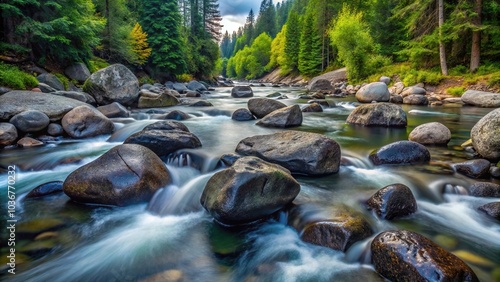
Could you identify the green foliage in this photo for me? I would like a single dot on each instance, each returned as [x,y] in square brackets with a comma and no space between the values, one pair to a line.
[63,79]
[160,20]
[494,79]
[292,43]
[251,62]
[146,79]
[456,91]
[277,55]
[185,77]
[310,58]
[408,75]
[351,36]
[96,64]
[12,77]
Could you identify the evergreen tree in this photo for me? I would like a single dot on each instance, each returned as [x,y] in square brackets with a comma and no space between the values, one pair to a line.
[140,50]
[266,21]
[292,43]
[310,58]
[212,19]
[225,46]
[249,28]
[160,20]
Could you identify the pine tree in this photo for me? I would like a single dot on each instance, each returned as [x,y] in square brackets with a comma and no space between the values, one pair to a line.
[266,21]
[139,44]
[292,43]
[249,28]
[212,19]
[310,58]
[160,20]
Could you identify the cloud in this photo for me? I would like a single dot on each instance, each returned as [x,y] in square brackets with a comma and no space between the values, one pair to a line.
[238,7]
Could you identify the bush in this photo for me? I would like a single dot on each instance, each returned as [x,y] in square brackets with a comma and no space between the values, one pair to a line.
[458,70]
[96,64]
[12,77]
[146,80]
[456,91]
[494,79]
[184,77]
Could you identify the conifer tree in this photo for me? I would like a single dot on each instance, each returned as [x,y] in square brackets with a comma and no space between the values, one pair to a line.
[140,50]
[310,58]
[292,43]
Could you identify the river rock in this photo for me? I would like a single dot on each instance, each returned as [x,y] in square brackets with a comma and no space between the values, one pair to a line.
[242,115]
[282,118]
[485,189]
[299,152]
[201,103]
[78,72]
[125,175]
[55,129]
[113,110]
[180,87]
[379,114]
[491,209]
[432,133]
[385,79]
[164,142]
[30,121]
[84,122]
[323,103]
[46,189]
[177,115]
[479,168]
[29,142]
[481,99]
[408,256]
[51,80]
[485,135]
[45,88]
[376,91]
[115,83]
[415,100]
[314,107]
[242,92]
[250,190]
[336,228]
[393,201]
[397,88]
[320,85]
[192,94]
[167,125]
[260,107]
[55,107]
[413,90]
[196,86]
[153,100]
[8,134]
[401,152]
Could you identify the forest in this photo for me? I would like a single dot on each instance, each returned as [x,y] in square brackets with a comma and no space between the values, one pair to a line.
[311,37]
[166,38]
[182,39]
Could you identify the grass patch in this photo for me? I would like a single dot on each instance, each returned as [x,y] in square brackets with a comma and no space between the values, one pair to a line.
[63,79]
[456,91]
[146,80]
[13,77]
[96,64]
[408,75]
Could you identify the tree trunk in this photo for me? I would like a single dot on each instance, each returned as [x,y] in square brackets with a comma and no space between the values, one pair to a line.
[475,52]
[442,51]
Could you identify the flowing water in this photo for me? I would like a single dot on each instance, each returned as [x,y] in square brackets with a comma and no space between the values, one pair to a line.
[172,237]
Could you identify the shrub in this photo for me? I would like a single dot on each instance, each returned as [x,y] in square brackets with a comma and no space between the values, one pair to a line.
[494,79]
[456,91]
[146,80]
[458,70]
[184,77]
[12,77]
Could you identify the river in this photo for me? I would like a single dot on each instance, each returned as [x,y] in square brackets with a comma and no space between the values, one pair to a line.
[100,243]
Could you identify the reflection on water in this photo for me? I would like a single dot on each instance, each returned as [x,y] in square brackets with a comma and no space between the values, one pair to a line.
[134,243]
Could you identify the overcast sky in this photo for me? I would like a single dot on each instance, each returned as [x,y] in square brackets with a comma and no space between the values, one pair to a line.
[235,12]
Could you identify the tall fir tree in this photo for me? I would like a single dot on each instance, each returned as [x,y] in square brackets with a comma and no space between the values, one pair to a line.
[310,59]
[160,20]
[292,43]
[249,29]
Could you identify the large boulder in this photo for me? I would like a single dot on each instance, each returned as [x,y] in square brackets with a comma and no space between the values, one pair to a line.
[491,209]
[152,100]
[415,100]
[242,92]
[115,83]
[312,108]
[392,202]
[408,256]
[78,72]
[478,168]
[84,122]
[164,142]
[55,107]
[8,134]
[320,85]
[167,125]
[485,135]
[260,107]
[401,152]
[481,99]
[196,86]
[336,228]
[432,133]
[376,91]
[379,114]
[282,118]
[51,80]
[413,90]
[30,121]
[299,152]
[485,189]
[250,190]
[125,175]
[113,110]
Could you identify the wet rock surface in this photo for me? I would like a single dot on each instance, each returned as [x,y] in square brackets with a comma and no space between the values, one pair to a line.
[485,189]
[164,142]
[408,256]
[485,135]
[242,92]
[401,152]
[286,117]
[242,115]
[393,201]
[250,190]
[379,114]
[260,107]
[85,121]
[299,152]
[479,168]
[491,209]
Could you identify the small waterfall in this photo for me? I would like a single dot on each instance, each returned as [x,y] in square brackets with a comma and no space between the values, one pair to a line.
[198,159]
[124,132]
